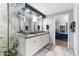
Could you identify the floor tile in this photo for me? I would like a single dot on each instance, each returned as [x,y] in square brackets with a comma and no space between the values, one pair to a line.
[55,51]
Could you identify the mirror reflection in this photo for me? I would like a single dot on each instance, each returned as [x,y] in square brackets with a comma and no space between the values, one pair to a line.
[29,22]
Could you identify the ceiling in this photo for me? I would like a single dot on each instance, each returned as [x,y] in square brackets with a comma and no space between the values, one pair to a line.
[62,18]
[52,8]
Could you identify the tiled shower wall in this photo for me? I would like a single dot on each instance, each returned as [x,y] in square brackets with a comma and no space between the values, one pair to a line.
[3,27]
[14,22]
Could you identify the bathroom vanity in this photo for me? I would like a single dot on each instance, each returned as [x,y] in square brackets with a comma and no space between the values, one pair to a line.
[33,43]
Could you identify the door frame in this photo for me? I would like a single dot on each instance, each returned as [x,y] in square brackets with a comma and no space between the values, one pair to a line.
[68,29]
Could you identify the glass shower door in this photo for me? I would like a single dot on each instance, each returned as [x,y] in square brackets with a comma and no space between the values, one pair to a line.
[3,28]
[14,27]
[10,28]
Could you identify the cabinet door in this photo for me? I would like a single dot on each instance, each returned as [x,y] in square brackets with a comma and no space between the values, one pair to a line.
[44,40]
[31,46]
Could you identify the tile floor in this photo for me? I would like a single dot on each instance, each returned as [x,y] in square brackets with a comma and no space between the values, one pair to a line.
[55,51]
[61,43]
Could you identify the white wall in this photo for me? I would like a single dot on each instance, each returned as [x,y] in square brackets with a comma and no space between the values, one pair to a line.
[49,20]
[77,29]
[46,21]
[76,34]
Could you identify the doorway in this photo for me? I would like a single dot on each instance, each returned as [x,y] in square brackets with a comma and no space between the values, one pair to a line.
[61,30]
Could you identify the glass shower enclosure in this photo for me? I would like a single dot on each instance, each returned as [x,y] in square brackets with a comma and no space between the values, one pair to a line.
[9,28]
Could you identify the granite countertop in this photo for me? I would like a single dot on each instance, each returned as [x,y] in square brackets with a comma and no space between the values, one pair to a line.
[36,34]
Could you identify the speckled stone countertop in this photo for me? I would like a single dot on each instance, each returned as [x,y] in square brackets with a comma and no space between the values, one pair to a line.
[37,34]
